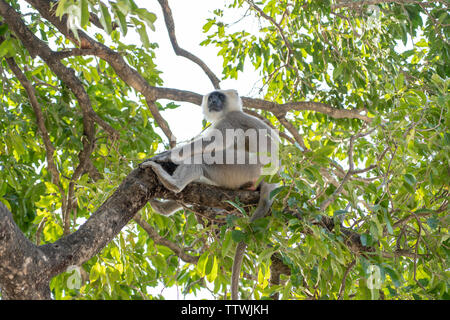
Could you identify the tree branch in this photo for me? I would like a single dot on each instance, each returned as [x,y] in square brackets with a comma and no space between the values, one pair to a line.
[360,3]
[136,81]
[25,268]
[163,241]
[49,148]
[123,70]
[170,25]
[20,260]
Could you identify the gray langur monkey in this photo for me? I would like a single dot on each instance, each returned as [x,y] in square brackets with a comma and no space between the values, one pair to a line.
[232,153]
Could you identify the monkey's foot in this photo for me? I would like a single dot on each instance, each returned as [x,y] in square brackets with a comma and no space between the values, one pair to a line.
[165,178]
[166,207]
[162,157]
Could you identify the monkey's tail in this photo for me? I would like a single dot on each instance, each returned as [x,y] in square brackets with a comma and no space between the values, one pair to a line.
[236,270]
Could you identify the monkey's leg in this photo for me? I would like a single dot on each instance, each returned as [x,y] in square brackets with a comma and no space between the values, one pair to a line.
[165,207]
[182,176]
[262,209]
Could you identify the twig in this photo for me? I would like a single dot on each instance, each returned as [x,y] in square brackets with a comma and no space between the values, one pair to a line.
[170,25]
[336,192]
[49,148]
[162,241]
[344,278]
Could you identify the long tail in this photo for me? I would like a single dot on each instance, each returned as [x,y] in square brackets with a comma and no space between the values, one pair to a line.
[263,208]
[238,257]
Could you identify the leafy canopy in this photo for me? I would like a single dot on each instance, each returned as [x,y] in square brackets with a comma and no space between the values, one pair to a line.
[389,60]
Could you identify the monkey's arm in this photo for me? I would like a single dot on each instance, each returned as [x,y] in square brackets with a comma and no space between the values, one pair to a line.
[213,141]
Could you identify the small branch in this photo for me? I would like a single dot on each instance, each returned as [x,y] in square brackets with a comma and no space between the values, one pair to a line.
[162,241]
[360,3]
[162,123]
[344,279]
[266,121]
[277,26]
[123,70]
[294,131]
[336,192]
[49,148]
[39,230]
[170,25]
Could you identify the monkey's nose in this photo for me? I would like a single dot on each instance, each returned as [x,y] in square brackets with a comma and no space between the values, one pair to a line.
[213,99]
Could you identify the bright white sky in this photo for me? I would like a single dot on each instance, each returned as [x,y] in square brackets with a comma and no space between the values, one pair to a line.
[179,72]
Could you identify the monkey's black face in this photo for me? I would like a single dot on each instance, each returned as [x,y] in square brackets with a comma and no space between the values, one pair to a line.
[216,101]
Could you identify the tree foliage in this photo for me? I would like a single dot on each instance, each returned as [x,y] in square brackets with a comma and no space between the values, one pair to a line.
[358,90]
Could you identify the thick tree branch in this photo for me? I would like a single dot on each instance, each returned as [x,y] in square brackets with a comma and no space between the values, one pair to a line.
[170,24]
[35,46]
[136,81]
[25,269]
[20,261]
[123,70]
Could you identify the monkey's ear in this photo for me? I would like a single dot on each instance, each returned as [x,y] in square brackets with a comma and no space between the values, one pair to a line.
[235,92]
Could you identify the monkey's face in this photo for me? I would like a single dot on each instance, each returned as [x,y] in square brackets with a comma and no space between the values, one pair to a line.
[216,101]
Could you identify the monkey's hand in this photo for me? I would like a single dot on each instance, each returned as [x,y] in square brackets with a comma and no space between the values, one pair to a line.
[162,157]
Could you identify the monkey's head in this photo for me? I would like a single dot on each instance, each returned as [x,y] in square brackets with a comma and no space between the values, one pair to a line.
[218,103]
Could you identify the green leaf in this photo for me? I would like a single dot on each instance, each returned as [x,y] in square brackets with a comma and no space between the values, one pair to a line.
[422,43]
[6,48]
[388,223]
[3,29]
[237,235]
[201,264]
[395,276]
[366,239]
[212,275]
[84,12]
[226,245]
[338,71]
[60,9]
[95,272]
[410,179]
[237,206]
[400,81]
[159,262]
[142,33]
[423,211]
[208,25]
[105,18]
[123,6]
[147,16]
[276,191]
[103,150]
[121,20]
[433,222]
